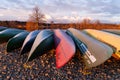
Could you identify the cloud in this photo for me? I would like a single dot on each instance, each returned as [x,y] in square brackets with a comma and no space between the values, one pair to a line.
[1,14]
[67,19]
[48,18]
[3,8]
[104,6]
[115,18]
[66,10]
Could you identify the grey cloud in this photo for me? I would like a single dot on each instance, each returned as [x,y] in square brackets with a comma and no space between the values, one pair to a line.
[103,6]
[19,4]
[15,1]
[8,18]
[3,8]
[112,9]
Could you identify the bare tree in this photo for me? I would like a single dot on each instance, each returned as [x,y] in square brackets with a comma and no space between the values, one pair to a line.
[86,21]
[37,18]
[97,22]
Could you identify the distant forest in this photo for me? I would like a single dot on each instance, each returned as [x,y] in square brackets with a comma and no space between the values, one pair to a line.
[82,25]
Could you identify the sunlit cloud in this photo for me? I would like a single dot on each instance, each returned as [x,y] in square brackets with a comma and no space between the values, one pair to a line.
[1,14]
[115,19]
[48,17]
[66,19]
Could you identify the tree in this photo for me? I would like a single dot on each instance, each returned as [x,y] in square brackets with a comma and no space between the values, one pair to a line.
[97,22]
[86,21]
[35,19]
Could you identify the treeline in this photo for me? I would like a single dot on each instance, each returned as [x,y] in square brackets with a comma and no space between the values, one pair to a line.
[86,26]
[13,24]
[81,25]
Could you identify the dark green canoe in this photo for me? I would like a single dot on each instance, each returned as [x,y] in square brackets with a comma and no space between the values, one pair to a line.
[2,28]
[17,41]
[28,42]
[5,35]
[43,43]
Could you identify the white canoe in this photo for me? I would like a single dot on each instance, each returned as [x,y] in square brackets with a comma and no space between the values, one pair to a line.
[115,31]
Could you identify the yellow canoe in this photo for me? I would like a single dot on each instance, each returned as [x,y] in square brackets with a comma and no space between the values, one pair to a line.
[108,38]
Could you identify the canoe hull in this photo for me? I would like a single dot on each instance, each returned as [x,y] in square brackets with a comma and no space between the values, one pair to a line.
[108,38]
[29,41]
[16,42]
[42,44]
[5,35]
[2,28]
[98,51]
[114,31]
[65,47]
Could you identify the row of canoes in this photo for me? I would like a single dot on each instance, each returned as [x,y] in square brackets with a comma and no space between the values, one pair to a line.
[96,46]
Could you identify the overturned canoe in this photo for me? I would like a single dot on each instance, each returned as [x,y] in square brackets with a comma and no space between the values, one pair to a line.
[2,28]
[108,38]
[43,43]
[28,42]
[115,31]
[65,47]
[94,52]
[17,41]
[6,34]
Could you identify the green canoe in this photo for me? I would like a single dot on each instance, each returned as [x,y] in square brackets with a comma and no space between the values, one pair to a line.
[94,52]
[2,28]
[5,35]
[17,41]
[28,42]
[43,43]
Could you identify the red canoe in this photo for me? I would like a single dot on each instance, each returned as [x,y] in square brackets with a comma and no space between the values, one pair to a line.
[65,47]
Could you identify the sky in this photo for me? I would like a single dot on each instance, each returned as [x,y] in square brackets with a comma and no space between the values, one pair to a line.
[62,11]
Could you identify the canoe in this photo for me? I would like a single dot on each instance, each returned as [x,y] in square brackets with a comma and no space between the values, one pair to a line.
[28,42]
[114,31]
[6,34]
[16,41]
[108,38]
[93,51]
[43,43]
[2,28]
[65,47]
